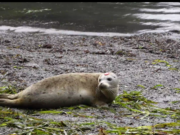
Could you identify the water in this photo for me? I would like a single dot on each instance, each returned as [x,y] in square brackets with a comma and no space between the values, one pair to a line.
[93,18]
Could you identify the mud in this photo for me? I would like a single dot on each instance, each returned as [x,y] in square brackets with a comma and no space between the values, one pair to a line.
[26,58]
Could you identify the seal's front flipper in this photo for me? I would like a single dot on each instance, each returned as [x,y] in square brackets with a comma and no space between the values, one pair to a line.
[101,104]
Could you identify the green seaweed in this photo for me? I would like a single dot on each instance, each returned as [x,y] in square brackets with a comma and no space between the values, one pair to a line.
[141,86]
[17,67]
[177,90]
[157,86]
[138,106]
[175,102]
[8,89]
[167,64]
[161,61]
[173,69]
[26,124]
[50,112]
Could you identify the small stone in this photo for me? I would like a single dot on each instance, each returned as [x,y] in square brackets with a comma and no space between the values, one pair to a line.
[7,41]
[47,46]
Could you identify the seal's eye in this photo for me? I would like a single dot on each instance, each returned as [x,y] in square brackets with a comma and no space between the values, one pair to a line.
[99,80]
[109,79]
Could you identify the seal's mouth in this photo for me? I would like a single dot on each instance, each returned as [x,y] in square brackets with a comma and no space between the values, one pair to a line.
[104,85]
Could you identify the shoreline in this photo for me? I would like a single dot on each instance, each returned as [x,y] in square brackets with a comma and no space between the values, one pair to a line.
[32,29]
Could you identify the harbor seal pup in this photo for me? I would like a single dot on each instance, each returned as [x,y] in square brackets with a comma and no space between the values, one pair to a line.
[93,89]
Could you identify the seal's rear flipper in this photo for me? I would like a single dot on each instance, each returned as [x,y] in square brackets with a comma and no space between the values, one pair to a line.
[8,96]
[4,95]
[8,102]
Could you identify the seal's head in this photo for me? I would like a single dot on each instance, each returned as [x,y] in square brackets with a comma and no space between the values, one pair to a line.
[108,83]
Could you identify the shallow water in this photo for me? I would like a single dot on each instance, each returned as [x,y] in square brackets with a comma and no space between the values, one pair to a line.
[116,17]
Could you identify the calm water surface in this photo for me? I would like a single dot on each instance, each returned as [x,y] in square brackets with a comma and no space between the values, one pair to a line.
[90,17]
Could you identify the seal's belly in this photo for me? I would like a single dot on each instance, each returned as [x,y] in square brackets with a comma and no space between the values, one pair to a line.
[60,99]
